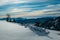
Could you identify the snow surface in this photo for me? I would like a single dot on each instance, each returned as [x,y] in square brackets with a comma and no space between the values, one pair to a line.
[13,31]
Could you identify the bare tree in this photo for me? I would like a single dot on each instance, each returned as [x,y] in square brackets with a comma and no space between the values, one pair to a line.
[8,17]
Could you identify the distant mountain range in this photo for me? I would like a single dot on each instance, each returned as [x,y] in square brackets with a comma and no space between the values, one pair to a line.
[33,20]
[46,22]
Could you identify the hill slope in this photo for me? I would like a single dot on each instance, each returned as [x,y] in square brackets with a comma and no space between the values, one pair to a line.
[13,31]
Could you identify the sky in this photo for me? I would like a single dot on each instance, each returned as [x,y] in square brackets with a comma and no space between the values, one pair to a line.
[29,8]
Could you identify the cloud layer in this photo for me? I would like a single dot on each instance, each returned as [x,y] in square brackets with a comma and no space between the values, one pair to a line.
[25,8]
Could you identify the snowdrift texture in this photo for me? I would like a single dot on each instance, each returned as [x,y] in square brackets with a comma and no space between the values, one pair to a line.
[13,31]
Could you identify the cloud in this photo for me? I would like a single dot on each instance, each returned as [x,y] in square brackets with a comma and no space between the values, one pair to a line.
[2,2]
[13,10]
[31,14]
[26,14]
[35,13]
[53,8]
[25,8]
[50,10]
[23,12]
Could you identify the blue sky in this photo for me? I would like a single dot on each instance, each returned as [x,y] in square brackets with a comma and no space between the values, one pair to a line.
[29,8]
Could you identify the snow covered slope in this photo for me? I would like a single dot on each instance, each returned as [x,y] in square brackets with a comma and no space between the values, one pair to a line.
[13,31]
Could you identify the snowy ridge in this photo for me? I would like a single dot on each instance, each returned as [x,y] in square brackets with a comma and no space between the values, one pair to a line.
[13,31]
